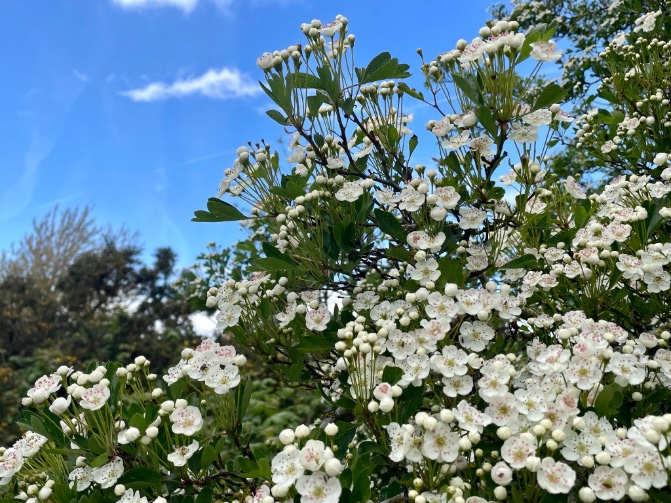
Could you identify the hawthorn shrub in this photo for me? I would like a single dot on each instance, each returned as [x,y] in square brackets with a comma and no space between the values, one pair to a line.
[479,330]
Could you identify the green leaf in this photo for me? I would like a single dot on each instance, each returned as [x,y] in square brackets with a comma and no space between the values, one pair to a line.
[609,400]
[346,431]
[382,67]
[410,91]
[496,193]
[272,264]
[343,233]
[243,394]
[99,461]
[62,493]
[551,94]
[525,261]
[314,344]
[277,116]
[219,211]
[409,402]
[330,86]
[205,495]
[412,144]
[391,375]
[208,457]
[139,477]
[302,80]
[271,251]
[390,225]
[451,271]
[468,87]
[484,115]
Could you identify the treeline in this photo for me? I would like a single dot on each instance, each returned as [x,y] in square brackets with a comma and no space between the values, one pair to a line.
[72,292]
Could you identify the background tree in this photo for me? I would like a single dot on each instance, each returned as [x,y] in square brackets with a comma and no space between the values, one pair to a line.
[74,292]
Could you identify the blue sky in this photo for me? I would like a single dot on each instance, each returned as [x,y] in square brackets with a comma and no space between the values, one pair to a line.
[136,107]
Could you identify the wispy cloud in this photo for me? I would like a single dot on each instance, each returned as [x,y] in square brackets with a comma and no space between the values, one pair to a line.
[185,5]
[80,76]
[224,83]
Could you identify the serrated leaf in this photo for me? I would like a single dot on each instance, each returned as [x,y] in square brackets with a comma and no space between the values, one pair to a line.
[382,67]
[389,225]
[609,400]
[551,94]
[410,91]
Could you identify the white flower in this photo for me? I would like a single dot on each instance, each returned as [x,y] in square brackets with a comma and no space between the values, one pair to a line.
[350,191]
[222,380]
[130,496]
[288,315]
[45,386]
[608,483]
[501,473]
[228,315]
[318,488]
[475,336]
[545,51]
[556,477]
[516,450]
[29,444]
[187,420]
[82,477]
[441,443]
[266,61]
[107,474]
[95,397]
[448,197]
[411,199]
[183,453]
[286,468]
[12,462]
[335,163]
[470,418]
[456,142]
[317,319]
[60,405]
[524,134]
[313,455]
[471,218]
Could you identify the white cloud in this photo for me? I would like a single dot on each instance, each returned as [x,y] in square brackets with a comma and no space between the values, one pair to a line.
[203,324]
[80,76]
[224,83]
[186,5]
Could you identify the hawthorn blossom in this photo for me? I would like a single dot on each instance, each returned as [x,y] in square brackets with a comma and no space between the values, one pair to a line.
[545,51]
[186,421]
[183,453]
[441,443]
[318,488]
[81,478]
[222,380]
[556,477]
[317,319]
[95,397]
[108,474]
[287,468]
